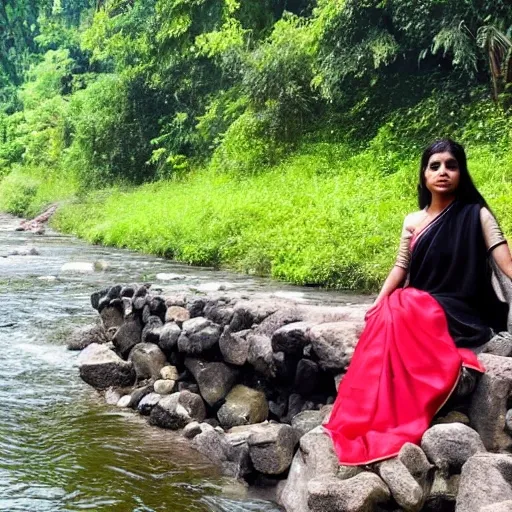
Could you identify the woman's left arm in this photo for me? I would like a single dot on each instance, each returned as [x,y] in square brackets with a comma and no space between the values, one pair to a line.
[496,242]
[502,257]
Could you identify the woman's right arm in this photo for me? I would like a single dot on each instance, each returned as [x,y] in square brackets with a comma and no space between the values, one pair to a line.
[395,278]
[398,273]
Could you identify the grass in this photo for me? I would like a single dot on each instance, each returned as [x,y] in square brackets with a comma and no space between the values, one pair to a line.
[324,217]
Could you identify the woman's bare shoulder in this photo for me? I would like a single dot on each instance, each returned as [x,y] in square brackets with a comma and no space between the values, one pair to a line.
[414,218]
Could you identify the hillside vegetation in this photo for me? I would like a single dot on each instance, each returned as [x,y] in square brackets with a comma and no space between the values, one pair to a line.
[276,137]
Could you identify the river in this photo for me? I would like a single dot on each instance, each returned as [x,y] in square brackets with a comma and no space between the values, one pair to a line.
[61,447]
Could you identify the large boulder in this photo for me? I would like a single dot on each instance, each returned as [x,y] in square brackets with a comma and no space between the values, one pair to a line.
[198,335]
[234,346]
[306,421]
[334,343]
[101,367]
[271,448]
[486,480]
[178,410]
[448,446]
[315,458]
[247,313]
[153,328]
[169,335]
[215,380]
[361,493]
[404,488]
[127,336]
[416,462]
[489,402]
[148,359]
[111,317]
[146,404]
[291,338]
[260,355]
[177,314]
[229,451]
[243,406]
[84,336]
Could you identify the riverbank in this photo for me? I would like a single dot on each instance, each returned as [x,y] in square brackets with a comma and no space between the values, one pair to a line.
[324,217]
[250,382]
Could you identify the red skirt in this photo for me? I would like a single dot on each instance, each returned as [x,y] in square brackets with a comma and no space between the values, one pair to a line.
[404,368]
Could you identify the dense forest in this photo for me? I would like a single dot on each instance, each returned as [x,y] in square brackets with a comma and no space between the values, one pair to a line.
[278,137]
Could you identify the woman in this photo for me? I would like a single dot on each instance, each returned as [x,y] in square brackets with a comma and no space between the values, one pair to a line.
[417,338]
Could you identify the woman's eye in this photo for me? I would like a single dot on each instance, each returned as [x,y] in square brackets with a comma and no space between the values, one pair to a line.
[434,167]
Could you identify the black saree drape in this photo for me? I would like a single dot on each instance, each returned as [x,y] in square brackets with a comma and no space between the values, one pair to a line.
[449,261]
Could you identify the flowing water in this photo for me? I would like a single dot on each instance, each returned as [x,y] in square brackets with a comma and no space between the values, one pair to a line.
[61,447]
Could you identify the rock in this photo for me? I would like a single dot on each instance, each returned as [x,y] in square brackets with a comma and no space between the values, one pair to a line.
[124,401]
[508,420]
[218,311]
[404,488]
[453,417]
[198,335]
[169,373]
[248,313]
[102,368]
[196,306]
[111,317]
[128,291]
[346,472]
[138,395]
[215,380]
[243,406]
[169,335]
[260,355]
[295,404]
[148,359]
[362,493]
[152,330]
[211,443]
[291,338]
[112,396]
[276,320]
[192,430]
[443,493]
[450,445]
[306,421]
[164,387]
[78,267]
[499,345]
[84,336]
[489,403]
[177,315]
[503,506]
[147,403]
[234,346]
[271,448]
[96,298]
[334,343]
[157,307]
[127,336]
[416,462]
[178,410]
[138,302]
[306,377]
[314,458]
[486,480]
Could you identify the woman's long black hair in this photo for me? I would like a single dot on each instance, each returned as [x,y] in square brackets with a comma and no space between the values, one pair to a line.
[466,192]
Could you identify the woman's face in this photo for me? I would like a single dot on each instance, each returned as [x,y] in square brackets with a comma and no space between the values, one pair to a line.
[442,174]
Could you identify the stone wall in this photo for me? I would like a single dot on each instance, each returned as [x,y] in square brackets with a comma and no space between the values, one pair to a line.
[251,381]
